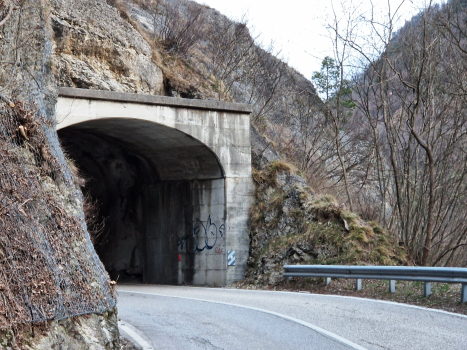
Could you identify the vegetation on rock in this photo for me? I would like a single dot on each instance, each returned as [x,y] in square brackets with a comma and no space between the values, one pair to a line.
[291,225]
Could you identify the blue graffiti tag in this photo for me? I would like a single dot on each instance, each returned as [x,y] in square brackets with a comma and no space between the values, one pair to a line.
[210,231]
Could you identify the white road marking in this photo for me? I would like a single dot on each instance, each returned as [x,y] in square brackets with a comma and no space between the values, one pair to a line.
[131,331]
[394,303]
[317,329]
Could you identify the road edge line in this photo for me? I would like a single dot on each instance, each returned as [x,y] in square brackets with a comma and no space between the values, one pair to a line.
[132,332]
[317,329]
[390,302]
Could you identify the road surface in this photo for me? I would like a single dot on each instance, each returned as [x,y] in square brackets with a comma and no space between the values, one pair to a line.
[177,317]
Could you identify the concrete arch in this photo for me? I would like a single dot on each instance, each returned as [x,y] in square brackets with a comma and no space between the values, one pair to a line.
[178,174]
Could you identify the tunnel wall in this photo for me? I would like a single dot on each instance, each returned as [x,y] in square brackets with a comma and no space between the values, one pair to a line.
[192,215]
[118,181]
[220,206]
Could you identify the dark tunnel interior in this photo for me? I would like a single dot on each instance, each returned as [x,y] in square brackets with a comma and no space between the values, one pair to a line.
[145,199]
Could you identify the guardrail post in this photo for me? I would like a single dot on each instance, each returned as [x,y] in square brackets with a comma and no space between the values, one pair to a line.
[427,275]
[392,286]
[427,289]
[358,284]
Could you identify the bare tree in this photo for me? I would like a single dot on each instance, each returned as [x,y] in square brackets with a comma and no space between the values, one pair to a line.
[410,98]
[177,24]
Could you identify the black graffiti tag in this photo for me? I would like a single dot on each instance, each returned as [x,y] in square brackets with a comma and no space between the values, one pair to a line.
[203,237]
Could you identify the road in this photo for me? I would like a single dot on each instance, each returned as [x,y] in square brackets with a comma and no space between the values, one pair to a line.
[177,317]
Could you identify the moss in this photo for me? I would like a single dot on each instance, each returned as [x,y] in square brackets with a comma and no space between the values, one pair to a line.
[383,238]
[376,228]
[359,234]
[324,200]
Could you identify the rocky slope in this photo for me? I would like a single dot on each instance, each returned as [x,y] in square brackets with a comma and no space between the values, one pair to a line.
[51,279]
[95,48]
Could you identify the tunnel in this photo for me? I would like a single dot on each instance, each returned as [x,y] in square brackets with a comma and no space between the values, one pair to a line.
[159,197]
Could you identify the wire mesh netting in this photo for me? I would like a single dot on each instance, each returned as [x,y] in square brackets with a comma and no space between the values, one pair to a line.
[48,266]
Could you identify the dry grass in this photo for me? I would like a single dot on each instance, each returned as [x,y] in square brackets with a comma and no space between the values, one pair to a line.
[46,267]
[181,78]
[444,296]
[268,176]
[318,231]
[353,240]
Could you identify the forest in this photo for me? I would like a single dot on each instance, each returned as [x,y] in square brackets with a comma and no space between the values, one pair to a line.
[395,105]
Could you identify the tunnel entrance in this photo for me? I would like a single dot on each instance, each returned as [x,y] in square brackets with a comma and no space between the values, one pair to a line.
[160,196]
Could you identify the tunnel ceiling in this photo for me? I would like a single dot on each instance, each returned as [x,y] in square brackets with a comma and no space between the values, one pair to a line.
[172,154]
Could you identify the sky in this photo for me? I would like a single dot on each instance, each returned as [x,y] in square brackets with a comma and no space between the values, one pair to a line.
[298,27]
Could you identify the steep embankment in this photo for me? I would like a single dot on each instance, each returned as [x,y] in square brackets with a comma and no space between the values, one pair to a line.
[51,278]
[292,225]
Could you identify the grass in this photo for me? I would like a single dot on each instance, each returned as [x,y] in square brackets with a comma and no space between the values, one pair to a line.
[268,176]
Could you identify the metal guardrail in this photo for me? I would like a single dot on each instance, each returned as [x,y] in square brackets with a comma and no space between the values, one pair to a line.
[391,273]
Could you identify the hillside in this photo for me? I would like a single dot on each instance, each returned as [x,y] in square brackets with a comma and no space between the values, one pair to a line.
[222,61]
[362,185]
[178,51]
[405,139]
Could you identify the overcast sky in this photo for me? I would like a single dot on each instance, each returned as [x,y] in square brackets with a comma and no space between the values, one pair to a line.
[297,27]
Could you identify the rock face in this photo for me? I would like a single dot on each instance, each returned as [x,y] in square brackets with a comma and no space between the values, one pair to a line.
[94,331]
[50,273]
[280,211]
[95,48]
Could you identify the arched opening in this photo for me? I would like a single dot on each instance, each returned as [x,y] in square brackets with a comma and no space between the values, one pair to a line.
[161,193]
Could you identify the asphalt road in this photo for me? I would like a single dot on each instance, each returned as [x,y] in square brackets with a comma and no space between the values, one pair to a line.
[207,318]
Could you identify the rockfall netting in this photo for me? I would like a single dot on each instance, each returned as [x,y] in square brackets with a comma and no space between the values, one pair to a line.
[48,266]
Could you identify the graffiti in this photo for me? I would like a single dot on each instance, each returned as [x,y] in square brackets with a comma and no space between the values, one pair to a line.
[204,236]
[219,251]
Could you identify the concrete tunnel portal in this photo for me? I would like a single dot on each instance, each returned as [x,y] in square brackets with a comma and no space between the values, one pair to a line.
[146,200]
[165,197]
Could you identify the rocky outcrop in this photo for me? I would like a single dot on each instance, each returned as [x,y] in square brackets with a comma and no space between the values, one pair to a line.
[95,48]
[94,331]
[292,225]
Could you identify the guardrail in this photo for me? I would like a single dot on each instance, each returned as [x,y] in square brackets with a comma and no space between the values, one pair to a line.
[391,273]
